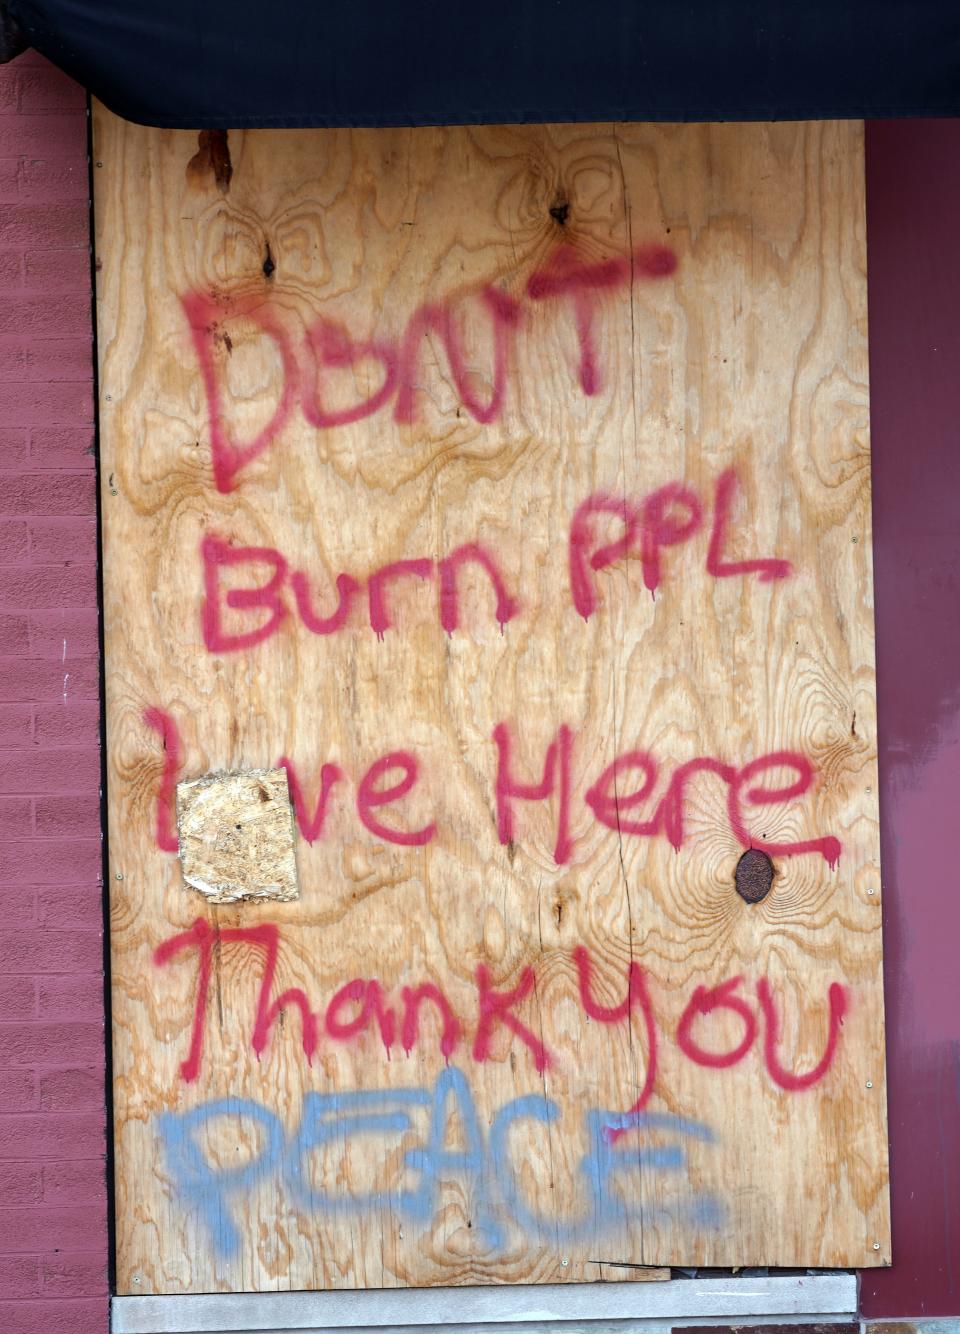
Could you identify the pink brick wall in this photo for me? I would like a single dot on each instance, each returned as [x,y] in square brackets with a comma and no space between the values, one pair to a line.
[53,1208]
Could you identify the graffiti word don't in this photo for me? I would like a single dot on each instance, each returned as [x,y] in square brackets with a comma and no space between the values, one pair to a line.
[328,351]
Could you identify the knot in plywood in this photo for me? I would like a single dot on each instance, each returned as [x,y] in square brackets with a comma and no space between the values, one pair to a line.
[753,877]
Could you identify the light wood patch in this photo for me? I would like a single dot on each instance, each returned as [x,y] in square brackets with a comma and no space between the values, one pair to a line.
[436,346]
[236,836]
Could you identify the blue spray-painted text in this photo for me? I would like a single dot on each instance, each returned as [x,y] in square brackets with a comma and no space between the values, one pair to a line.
[609,1172]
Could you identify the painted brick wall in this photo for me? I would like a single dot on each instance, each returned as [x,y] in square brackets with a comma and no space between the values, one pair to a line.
[53,1209]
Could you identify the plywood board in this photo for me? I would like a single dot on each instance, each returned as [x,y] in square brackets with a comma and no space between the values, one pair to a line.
[510,487]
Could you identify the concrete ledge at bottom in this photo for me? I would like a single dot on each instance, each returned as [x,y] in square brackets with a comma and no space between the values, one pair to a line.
[389,1308]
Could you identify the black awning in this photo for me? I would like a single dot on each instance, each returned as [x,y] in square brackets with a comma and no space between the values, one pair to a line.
[234,63]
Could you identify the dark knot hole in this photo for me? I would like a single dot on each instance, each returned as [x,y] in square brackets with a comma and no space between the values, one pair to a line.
[753,877]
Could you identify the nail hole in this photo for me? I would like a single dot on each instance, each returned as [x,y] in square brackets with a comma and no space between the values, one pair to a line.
[753,877]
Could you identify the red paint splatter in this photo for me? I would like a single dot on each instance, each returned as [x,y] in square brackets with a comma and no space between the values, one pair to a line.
[581,541]
[370,797]
[204,317]
[607,802]
[829,847]
[778,1073]
[438,318]
[637,996]
[202,937]
[566,276]
[332,346]
[704,1002]
[369,996]
[216,555]
[380,620]
[506,607]
[767,568]
[347,589]
[166,831]
[654,261]
[670,812]
[556,773]
[661,527]
[311,826]
[495,1007]
[413,998]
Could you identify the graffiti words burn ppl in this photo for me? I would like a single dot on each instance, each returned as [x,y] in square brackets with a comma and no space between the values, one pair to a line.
[236,616]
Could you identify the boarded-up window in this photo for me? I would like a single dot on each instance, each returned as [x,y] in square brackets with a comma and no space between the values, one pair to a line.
[510,490]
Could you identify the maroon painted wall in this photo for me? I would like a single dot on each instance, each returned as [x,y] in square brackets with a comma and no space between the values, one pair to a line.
[53,1225]
[913,255]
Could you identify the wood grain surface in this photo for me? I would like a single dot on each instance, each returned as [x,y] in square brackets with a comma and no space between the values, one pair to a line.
[346,350]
